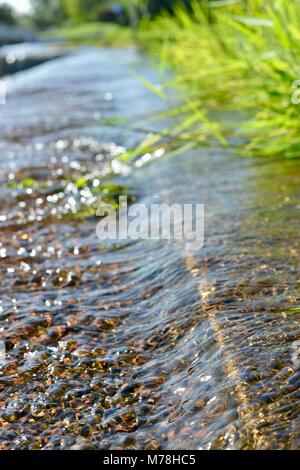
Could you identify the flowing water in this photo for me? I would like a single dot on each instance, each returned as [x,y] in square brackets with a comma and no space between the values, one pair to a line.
[139,345]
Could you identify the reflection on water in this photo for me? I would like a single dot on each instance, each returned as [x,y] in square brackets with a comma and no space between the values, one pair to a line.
[139,345]
[19,57]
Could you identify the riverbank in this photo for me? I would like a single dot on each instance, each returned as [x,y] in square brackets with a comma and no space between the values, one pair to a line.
[97,34]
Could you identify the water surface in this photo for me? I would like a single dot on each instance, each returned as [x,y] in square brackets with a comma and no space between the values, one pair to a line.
[139,345]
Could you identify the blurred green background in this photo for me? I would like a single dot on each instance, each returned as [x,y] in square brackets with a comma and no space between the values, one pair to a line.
[43,14]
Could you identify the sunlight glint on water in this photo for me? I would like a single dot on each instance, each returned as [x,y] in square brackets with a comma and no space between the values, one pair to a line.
[138,345]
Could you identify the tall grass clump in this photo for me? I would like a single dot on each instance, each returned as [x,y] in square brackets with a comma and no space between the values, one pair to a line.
[237,61]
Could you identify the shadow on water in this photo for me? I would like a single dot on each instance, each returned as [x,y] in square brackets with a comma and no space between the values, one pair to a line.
[139,345]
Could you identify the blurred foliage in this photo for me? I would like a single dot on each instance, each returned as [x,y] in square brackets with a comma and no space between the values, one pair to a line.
[47,13]
[7,15]
[241,62]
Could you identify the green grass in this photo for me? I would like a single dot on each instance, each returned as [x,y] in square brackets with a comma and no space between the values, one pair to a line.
[98,34]
[242,62]
[235,62]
